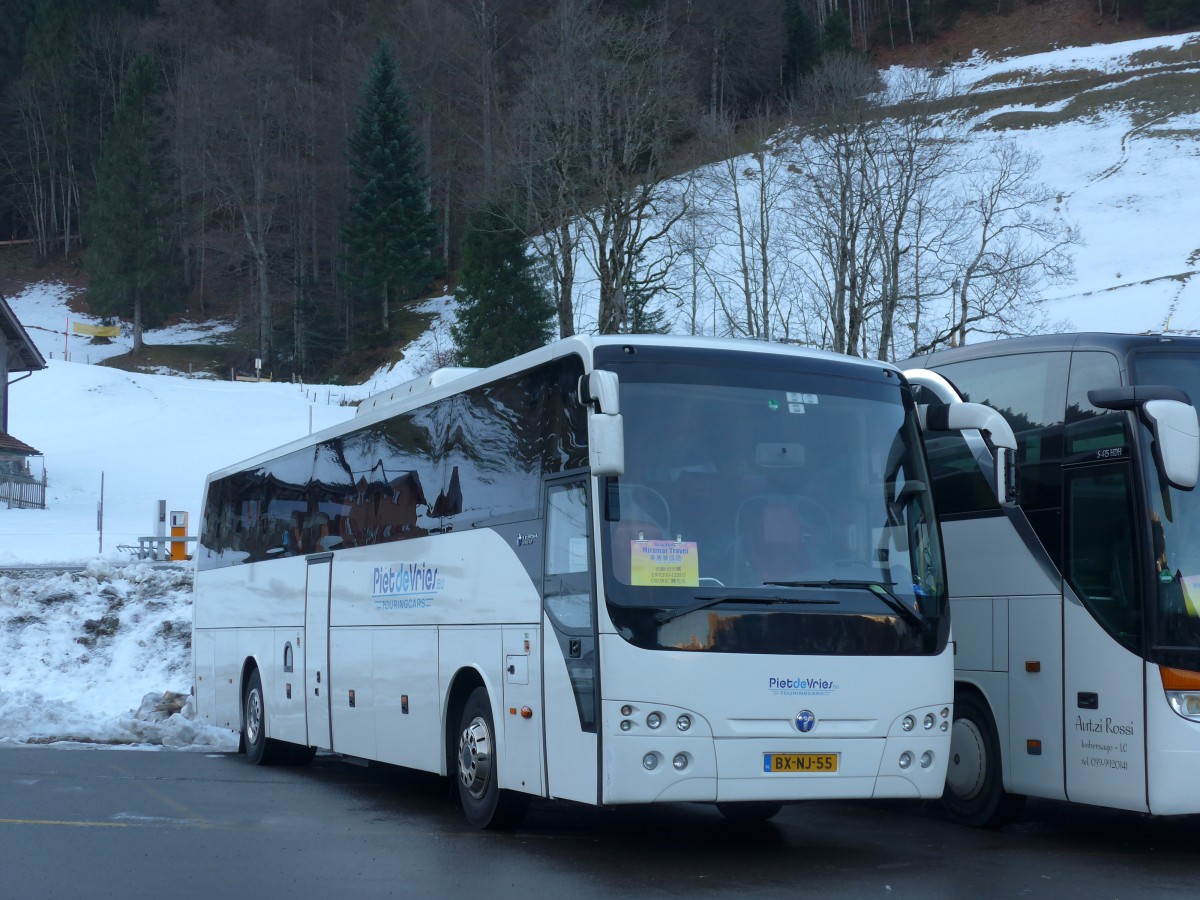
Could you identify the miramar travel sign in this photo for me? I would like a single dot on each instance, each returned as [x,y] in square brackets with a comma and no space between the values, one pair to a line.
[408,586]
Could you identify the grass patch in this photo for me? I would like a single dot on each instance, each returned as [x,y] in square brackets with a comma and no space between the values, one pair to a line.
[210,359]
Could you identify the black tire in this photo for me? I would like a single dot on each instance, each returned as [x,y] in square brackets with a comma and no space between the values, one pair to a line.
[260,750]
[483,803]
[974,793]
[750,812]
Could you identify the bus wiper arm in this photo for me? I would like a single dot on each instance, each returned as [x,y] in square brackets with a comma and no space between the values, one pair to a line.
[666,615]
[914,615]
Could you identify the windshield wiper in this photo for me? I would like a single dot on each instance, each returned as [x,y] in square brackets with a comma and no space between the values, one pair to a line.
[914,615]
[666,615]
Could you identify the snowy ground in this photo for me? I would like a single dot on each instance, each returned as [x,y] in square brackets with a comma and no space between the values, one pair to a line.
[80,653]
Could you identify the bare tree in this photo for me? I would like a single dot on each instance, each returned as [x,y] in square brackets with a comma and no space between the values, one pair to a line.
[1015,247]
[249,120]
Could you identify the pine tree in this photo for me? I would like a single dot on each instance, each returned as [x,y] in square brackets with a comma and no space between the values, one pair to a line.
[802,50]
[503,309]
[388,230]
[130,258]
[835,35]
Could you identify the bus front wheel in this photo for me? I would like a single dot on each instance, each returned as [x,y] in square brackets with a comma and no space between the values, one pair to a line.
[974,793]
[485,805]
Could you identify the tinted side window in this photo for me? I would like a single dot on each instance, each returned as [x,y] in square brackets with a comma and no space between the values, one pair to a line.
[1088,428]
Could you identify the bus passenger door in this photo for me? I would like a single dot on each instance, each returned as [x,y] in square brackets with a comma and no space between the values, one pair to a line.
[1104,722]
[316,655]
[569,677]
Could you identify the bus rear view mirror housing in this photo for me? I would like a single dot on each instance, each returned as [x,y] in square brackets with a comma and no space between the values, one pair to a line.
[951,413]
[961,416]
[1173,421]
[600,391]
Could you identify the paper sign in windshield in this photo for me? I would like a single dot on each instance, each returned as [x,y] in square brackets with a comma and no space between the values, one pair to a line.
[664,563]
[1191,593]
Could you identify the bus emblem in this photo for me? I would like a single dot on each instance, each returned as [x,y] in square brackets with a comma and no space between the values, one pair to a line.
[805,721]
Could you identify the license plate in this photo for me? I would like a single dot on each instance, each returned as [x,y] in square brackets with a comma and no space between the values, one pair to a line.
[800,762]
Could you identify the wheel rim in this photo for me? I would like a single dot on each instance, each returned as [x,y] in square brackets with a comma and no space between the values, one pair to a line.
[968,760]
[475,758]
[253,716]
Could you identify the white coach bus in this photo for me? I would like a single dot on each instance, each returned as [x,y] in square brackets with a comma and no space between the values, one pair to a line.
[614,570]
[1077,611]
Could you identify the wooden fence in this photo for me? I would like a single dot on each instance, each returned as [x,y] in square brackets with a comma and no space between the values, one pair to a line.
[23,491]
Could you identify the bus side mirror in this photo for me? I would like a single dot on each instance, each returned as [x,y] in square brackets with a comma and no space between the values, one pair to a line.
[960,416]
[1176,440]
[606,444]
[600,390]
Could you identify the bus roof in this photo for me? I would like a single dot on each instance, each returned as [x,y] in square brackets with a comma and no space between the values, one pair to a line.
[1084,340]
[428,388]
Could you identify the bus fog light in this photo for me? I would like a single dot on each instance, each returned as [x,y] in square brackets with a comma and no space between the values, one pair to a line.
[928,721]
[650,762]
[626,724]
[680,762]
[654,720]
[683,723]
[909,723]
[926,759]
[906,759]
[627,710]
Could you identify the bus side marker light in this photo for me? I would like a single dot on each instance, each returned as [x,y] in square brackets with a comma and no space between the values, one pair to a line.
[526,712]
[1033,665]
[1033,748]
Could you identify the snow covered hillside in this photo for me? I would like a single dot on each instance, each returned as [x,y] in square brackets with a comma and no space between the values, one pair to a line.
[79,652]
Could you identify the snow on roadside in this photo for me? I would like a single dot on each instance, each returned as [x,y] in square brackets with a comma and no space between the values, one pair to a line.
[76,649]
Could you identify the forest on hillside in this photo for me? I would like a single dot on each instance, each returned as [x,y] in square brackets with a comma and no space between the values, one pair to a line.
[313,166]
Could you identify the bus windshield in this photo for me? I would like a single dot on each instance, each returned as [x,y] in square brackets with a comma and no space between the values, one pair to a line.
[1174,516]
[771,510]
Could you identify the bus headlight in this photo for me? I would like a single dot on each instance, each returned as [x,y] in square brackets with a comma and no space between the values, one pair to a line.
[909,723]
[1182,688]
[650,762]
[654,720]
[1186,703]
[906,759]
[926,759]
[680,762]
[928,721]
[684,722]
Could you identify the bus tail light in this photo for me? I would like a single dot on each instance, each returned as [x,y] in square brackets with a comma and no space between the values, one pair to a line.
[1182,688]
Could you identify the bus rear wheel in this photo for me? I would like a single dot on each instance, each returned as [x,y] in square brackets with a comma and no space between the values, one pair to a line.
[260,750]
[974,793]
[483,803]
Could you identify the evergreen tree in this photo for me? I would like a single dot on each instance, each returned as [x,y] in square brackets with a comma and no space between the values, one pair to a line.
[130,258]
[388,230]
[835,35]
[802,50]
[503,309]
